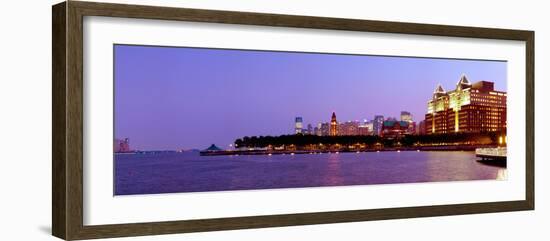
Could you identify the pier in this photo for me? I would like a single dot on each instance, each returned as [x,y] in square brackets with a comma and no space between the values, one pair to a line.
[491,154]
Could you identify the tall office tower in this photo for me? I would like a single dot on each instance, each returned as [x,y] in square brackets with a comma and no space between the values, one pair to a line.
[298,125]
[377,124]
[406,116]
[325,129]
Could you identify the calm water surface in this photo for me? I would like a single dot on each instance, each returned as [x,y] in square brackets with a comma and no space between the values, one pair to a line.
[189,172]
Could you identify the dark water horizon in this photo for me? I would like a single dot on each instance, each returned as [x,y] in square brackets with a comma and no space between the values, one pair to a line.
[171,172]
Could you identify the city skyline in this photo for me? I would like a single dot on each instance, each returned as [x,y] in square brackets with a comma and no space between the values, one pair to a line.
[361,121]
[229,99]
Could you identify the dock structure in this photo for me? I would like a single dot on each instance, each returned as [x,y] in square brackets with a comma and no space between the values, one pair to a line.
[491,154]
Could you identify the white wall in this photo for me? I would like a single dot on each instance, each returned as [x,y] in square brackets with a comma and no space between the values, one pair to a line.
[25,120]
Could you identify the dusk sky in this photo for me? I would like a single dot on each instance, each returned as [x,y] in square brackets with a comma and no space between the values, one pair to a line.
[180,98]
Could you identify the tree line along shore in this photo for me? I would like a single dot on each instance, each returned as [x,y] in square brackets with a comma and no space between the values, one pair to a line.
[314,142]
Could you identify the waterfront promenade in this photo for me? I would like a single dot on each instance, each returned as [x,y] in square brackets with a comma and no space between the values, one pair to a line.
[344,150]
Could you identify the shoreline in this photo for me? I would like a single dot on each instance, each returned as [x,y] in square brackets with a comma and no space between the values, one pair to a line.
[293,152]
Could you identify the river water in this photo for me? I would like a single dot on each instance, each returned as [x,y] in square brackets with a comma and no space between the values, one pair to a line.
[190,172]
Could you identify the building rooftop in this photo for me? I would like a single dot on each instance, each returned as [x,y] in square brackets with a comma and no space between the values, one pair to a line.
[439,89]
[390,123]
[213,148]
[463,80]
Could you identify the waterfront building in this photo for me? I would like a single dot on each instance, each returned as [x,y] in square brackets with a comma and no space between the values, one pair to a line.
[333,125]
[364,130]
[325,129]
[349,128]
[421,128]
[394,128]
[407,117]
[411,129]
[472,108]
[317,131]
[122,145]
[298,125]
[377,124]
[370,126]
[310,129]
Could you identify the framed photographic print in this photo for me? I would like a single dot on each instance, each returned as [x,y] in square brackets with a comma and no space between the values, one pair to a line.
[171,120]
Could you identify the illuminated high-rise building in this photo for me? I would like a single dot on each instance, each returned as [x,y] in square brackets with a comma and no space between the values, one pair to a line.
[469,107]
[370,127]
[310,129]
[325,129]
[421,128]
[348,128]
[364,128]
[406,116]
[333,125]
[377,124]
[298,125]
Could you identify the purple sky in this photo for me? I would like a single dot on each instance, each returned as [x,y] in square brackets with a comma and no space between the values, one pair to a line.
[171,98]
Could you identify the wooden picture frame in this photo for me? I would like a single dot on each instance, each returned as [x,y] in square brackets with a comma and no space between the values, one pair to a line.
[67,152]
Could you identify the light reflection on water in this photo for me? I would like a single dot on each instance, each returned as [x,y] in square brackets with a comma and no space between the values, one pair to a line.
[189,172]
[333,176]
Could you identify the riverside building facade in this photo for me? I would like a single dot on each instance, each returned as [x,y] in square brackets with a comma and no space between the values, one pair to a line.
[471,108]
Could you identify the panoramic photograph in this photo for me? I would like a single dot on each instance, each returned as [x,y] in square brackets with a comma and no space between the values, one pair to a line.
[190,119]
